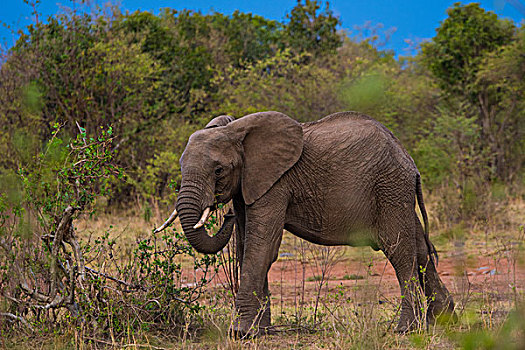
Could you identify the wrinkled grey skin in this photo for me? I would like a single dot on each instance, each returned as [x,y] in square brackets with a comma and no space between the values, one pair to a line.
[343,180]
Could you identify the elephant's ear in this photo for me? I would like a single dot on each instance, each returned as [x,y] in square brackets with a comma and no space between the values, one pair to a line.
[273,143]
[221,120]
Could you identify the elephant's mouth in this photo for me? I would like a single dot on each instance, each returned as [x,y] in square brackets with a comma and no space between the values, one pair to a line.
[217,211]
[213,215]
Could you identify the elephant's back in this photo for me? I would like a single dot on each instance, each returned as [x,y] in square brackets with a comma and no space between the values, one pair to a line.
[340,117]
[346,125]
[358,136]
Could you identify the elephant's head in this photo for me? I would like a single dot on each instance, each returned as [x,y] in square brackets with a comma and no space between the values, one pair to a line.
[231,157]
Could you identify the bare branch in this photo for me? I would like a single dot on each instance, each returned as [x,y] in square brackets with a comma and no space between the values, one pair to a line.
[56,303]
[72,241]
[62,230]
[112,278]
[33,293]
[17,318]
[81,131]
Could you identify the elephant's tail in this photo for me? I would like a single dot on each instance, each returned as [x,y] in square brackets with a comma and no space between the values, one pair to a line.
[419,196]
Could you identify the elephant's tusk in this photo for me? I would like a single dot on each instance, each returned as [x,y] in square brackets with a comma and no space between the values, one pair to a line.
[169,221]
[203,219]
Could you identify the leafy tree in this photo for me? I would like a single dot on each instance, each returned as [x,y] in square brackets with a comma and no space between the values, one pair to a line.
[283,83]
[411,98]
[503,74]
[365,75]
[246,38]
[310,31]
[455,56]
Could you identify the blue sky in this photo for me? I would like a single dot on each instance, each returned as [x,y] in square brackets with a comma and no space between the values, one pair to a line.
[412,20]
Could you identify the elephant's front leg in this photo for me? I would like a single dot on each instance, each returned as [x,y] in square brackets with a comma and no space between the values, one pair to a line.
[263,234]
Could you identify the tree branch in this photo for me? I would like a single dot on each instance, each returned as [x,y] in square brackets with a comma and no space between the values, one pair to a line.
[17,318]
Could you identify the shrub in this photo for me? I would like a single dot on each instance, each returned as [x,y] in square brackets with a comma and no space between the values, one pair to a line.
[52,282]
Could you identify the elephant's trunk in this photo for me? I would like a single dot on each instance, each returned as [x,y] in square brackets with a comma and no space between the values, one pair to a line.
[189,214]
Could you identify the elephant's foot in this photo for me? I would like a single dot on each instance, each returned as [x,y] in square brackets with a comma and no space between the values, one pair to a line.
[441,311]
[411,318]
[238,332]
[249,329]
[247,326]
[406,325]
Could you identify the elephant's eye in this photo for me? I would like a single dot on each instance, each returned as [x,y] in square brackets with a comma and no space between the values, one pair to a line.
[218,171]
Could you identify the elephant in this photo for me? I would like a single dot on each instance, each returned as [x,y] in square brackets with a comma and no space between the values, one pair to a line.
[342,180]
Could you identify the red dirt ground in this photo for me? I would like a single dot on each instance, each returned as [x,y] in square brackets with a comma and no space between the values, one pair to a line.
[453,272]
[462,276]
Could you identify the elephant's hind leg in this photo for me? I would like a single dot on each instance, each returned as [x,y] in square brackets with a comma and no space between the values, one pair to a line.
[398,242]
[439,300]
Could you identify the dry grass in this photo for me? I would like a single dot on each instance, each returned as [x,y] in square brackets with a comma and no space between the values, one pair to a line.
[347,298]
